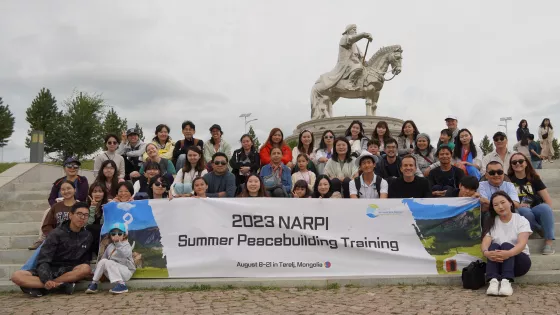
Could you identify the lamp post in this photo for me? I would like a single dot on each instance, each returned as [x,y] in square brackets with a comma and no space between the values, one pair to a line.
[247,121]
[505,120]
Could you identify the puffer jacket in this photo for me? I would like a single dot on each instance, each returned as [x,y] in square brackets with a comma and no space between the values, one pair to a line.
[121,253]
[63,248]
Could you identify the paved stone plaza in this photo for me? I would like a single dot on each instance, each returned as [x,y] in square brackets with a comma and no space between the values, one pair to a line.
[527,299]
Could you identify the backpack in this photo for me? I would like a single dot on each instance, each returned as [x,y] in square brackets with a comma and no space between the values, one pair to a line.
[358,184]
[473,275]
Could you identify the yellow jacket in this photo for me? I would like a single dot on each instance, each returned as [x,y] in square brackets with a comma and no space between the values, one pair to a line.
[166,152]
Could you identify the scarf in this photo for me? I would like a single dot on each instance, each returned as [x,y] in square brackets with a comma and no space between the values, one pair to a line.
[469,169]
[276,170]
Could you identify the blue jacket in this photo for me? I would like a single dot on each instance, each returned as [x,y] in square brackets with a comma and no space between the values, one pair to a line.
[286,176]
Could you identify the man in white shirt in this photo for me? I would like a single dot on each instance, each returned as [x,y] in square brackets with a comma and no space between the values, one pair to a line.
[368,185]
[495,182]
[500,154]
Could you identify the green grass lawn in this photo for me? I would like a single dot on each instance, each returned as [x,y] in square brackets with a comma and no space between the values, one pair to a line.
[86,164]
[151,272]
[5,166]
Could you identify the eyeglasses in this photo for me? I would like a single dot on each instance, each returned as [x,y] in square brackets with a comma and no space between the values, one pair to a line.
[329,137]
[220,163]
[117,233]
[499,139]
[520,161]
[498,172]
[82,215]
[73,166]
[112,142]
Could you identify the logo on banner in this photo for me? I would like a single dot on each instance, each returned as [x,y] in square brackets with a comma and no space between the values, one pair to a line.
[373,211]
[328,264]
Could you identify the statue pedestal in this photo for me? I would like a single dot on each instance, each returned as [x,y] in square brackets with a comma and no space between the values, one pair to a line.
[339,125]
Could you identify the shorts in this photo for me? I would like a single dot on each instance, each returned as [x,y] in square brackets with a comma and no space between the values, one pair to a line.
[56,271]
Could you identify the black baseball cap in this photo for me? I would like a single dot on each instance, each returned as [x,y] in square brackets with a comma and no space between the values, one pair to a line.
[499,134]
[216,126]
[132,131]
[71,160]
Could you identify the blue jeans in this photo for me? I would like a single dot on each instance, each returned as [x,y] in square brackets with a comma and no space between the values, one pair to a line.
[510,268]
[541,218]
[180,161]
[537,165]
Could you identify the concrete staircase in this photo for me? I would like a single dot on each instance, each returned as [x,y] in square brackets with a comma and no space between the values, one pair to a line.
[23,201]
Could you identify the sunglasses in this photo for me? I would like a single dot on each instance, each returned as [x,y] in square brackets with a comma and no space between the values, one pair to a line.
[220,163]
[329,137]
[515,162]
[112,142]
[159,184]
[73,166]
[117,233]
[498,172]
[498,139]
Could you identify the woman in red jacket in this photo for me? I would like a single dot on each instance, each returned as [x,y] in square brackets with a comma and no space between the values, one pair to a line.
[276,140]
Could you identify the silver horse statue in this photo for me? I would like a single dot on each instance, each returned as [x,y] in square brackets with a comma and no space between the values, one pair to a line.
[366,84]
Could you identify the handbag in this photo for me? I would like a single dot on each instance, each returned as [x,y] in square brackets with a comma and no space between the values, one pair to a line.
[271,181]
[473,276]
[545,135]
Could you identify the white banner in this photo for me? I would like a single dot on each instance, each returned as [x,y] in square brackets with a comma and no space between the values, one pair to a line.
[265,237]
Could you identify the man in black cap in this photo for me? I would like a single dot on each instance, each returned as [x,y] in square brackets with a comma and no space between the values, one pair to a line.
[131,148]
[216,144]
[500,154]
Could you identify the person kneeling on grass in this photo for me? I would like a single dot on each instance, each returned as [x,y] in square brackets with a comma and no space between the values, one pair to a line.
[63,259]
[116,264]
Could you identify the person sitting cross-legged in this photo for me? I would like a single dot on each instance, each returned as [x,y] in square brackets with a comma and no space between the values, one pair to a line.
[276,176]
[221,182]
[446,176]
[504,244]
[368,185]
[63,259]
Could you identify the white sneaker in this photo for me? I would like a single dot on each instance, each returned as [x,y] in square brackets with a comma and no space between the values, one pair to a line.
[505,288]
[493,287]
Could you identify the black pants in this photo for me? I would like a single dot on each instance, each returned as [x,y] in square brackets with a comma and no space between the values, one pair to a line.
[95,230]
[510,268]
[130,166]
[341,186]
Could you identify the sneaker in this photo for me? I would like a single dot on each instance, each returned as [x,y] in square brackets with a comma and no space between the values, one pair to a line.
[92,288]
[493,287]
[67,287]
[119,288]
[35,245]
[505,288]
[32,292]
[548,250]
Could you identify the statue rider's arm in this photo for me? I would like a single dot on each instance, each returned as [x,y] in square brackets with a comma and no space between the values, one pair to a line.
[351,39]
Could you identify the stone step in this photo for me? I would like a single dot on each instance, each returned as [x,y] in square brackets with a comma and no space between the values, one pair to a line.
[26,195]
[17,241]
[21,216]
[36,186]
[11,229]
[6,270]
[532,277]
[24,205]
[15,256]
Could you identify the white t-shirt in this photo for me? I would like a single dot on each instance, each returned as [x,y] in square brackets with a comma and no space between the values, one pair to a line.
[508,232]
[368,191]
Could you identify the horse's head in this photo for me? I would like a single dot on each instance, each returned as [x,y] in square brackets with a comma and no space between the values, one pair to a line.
[385,56]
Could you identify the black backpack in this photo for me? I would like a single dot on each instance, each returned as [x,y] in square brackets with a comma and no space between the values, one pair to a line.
[473,275]
[358,184]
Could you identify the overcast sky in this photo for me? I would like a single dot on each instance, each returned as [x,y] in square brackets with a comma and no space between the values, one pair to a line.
[169,61]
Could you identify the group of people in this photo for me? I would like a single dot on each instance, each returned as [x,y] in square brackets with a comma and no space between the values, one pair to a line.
[352,165]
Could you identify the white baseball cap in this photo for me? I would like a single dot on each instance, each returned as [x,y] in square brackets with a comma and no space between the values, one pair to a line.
[451,117]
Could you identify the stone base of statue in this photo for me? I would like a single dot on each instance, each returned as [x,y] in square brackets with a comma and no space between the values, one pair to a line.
[339,125]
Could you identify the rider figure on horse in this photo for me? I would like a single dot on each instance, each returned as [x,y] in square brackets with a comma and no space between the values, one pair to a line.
[350,59]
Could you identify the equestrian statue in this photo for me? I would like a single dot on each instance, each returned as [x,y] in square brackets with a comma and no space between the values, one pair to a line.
[353,77]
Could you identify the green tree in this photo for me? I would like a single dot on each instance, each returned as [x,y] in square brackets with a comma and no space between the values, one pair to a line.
[486,146]
[43,114]
[7,125]
[114,124]
[80,128]
[292,143]
[140,132]
[254,137]
[556,148]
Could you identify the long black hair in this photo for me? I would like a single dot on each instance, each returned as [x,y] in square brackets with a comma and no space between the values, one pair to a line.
[549,124]
[200,165]
[348,156]
[521,123]
[322,144]
[457,152]
[387,134]
[164,183]
[415,133]
[102,179]
[316,193]
[300,144]
[104,200]
[491,218]
[348,132]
